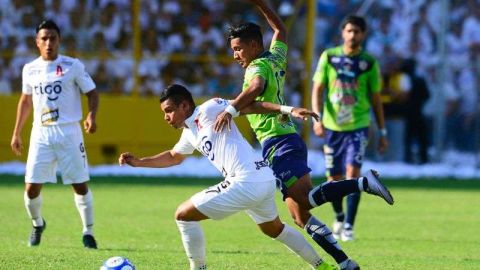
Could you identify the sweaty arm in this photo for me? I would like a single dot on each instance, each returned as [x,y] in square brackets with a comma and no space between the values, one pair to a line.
[317,107]
[90,124]
[165,159]
[279,30]
[243,100]
[24,108]
[263,107]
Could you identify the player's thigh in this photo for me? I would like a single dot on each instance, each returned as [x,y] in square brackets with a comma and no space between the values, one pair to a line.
[72,156]
[356,148]
[335,149]
[263,209]
[227,198]
[41,162]
[290,165]
[300,190]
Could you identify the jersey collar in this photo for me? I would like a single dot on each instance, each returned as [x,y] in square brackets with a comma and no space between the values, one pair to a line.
[190,121]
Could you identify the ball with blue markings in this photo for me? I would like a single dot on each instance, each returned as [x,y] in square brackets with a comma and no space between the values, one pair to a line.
[117,263]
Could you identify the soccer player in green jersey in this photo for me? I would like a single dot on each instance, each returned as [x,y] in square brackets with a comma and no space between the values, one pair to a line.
[352,81]
[283,148]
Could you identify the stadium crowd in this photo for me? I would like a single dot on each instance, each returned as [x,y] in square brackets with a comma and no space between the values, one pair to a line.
[184,42]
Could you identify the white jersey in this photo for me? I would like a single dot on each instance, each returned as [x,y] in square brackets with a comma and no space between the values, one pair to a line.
[228,151]
[55,88]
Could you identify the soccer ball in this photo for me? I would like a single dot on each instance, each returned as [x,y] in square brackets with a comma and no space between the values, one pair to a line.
[117,263]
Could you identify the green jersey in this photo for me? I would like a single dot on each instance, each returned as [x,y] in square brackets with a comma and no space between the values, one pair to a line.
[271,66]
[349,81]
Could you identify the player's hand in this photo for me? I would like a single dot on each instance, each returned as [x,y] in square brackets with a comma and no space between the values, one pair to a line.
[382,144]
[223,119]
[127,158]
[17,145]
[89,124]
[303,114]
[318,129]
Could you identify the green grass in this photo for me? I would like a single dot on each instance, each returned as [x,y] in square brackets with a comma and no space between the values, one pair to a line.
[433,225]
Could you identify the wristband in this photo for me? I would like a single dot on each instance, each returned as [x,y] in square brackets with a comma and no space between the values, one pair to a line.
[232,111]
[286,109]
[383,132]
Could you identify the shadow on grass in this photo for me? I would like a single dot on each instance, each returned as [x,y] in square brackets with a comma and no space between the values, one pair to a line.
[447,184]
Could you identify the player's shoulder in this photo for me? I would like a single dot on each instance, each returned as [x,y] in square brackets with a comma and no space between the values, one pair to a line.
[212,107]
[334,51]
[66,60]
[214,103]
[34,63]
[368,57]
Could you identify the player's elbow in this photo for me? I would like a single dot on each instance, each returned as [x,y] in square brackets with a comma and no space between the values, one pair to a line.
[177,158]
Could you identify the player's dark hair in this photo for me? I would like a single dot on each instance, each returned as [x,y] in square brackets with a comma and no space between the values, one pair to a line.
[246,32]
[177,93]
[47,24]
[355,20]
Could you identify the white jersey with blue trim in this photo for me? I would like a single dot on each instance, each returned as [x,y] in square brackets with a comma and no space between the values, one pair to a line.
[55,87]
[228,151]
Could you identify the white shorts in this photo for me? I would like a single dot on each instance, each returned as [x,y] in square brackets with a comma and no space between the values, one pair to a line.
[60,145]
[228,198]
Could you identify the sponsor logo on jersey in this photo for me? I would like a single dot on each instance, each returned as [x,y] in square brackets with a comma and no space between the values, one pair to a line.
[51,89]
[59,71]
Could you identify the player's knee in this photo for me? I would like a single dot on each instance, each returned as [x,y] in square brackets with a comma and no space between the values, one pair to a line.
[181,213]
[33,190]
[272,228]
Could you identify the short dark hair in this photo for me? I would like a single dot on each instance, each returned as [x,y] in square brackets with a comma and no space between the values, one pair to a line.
[355,20]
[246,32]
[47,24]
[177,93]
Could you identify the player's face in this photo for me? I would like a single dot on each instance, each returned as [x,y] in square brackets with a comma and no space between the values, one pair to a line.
[244,52]
[48,42]
[175,115]
[352,36]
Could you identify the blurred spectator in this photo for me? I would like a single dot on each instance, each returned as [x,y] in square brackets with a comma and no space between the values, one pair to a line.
[416,133]
[5,86]
[395,95]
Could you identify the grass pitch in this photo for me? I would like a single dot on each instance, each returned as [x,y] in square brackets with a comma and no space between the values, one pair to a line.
[433,225]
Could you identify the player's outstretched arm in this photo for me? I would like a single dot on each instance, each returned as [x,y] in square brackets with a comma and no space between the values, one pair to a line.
[24,108]
[165,159]
[280,32]
[263,107]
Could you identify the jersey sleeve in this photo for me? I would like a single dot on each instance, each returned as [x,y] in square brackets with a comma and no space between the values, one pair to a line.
[255,69]
[320,75]
[26,87]
[183,146]
[279,49]
[82,78]
[375,78]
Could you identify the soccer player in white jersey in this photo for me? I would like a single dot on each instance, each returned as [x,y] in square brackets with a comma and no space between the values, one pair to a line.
[52,84]
[249,183]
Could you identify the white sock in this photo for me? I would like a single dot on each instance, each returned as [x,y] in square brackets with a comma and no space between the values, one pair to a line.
[84,205]
[34,207]
[194,243]
[360,181]
[296,243]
